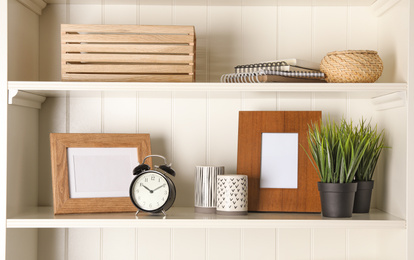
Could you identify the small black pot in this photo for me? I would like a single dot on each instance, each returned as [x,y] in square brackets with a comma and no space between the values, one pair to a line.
[362,201]
[337,199]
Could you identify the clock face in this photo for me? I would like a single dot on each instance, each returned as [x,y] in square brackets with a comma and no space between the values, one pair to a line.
[150,191]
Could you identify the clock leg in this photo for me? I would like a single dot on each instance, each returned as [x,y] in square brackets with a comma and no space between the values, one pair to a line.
[163,212]
[136,213]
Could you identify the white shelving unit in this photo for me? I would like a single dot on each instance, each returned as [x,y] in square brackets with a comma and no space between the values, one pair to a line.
[196,123]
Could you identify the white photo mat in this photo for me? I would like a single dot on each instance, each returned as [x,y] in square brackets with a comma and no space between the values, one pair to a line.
[279,164]
[100,172]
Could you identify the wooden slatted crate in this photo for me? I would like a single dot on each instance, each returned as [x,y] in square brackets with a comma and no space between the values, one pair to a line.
[143,53]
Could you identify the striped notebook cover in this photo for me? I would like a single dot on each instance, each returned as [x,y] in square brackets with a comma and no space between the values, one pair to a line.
[280,65]
[273,76]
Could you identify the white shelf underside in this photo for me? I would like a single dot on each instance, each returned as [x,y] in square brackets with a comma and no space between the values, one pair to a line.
[185,217]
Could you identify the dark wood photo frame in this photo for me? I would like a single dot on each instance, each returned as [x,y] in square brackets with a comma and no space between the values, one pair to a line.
[305,198]
[59,144]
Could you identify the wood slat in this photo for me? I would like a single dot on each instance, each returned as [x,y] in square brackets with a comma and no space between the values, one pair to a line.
[127,78]
[128,48]
[100,28]
[124,38]
[115,68]
[128,58]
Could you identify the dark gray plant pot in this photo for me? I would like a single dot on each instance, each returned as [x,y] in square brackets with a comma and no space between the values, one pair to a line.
[337,199]
[362,201]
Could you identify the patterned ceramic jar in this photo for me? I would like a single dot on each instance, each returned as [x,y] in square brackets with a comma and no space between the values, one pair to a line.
[232,194]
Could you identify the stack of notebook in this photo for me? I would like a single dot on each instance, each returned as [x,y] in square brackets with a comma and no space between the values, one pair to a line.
[289,70]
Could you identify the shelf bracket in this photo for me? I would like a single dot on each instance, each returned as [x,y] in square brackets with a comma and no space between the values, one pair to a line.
[25,99]
[379,7]
[393,100]
[34,5]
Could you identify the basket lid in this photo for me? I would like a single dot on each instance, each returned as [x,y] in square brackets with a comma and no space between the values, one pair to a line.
[351,52]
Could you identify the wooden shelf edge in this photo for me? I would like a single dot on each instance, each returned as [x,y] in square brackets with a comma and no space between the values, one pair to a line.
[184,217]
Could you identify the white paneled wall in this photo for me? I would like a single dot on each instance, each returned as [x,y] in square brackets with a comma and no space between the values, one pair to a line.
[219,244]
[227,34]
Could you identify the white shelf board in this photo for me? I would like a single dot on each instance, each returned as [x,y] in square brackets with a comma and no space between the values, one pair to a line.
[59,89]
[185,217]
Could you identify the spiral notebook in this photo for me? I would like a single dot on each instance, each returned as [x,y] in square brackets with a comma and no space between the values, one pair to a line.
[274,76]
[279,65]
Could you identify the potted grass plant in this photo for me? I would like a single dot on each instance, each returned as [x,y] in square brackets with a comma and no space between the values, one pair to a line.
[337,151]
[365,171]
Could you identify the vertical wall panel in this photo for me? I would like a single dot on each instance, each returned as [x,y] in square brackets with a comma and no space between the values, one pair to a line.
[224,122]
[84,244]
[259,32]
[189,244]
[189,140]
[377,244]
[329,244]
[151,240]
[294,34]
[160,13]
[118,243]
[294,244]
[119,112]
[224,244]
[265,101]
[85,114]
[225,38]
[112,10]
[329,36]
[333,106]
[155,118]
[295,101]
[363,29]
[258,244]
[85,13]
[51,243]
[358,108]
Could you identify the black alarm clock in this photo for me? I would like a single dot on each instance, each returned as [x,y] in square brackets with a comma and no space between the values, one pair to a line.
[152,190]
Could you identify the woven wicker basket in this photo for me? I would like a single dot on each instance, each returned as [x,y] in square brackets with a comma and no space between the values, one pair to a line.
[352,66]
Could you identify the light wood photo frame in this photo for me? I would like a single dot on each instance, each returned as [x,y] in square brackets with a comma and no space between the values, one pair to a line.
[60,143]
[252,125]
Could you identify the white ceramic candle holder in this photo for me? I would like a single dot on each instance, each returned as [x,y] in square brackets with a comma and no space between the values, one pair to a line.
[232,194]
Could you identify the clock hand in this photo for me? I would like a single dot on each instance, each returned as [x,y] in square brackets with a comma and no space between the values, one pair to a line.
[159,187]
[151,191]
